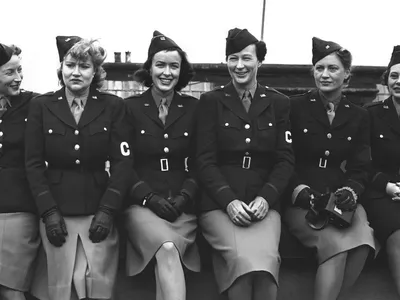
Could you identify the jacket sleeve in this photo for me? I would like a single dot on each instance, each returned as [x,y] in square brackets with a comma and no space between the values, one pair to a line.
[34,158]
[206,154]
[284,158]
[358,163]
[120,158]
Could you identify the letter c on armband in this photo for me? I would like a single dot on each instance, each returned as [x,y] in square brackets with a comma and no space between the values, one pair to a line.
[288,137]
[125,149]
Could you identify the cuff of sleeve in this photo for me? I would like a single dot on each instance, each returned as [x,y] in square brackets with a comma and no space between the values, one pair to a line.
[112,199]
[297,191]
[138,192]
[380,181]
[356,186]
[44,202]
[189,187]
[224,196]
[270,193]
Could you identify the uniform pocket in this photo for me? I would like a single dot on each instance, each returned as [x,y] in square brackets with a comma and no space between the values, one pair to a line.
[54,129]
[98,129]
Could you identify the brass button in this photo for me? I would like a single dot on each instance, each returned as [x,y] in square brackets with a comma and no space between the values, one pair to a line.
[105,128]
[381,136]
[76,132]
[327,153]
[77,162]
[1,133]
[142,131]
[247,126]
[329,136]
[76,147]
[50,131]
[1,146]
[185,133]
[248,140]
[166,136]
[166,149]
[305,130]
[270,124]
[349,138]
[226,124]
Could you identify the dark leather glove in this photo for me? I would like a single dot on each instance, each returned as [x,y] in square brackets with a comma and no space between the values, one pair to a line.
[180,202]
[162,208]
[56,230]
[345,200]
[304,197]
[101,225]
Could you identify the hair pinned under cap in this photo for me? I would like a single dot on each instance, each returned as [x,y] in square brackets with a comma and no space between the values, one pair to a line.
[6,53]
[321,48]
[160,42]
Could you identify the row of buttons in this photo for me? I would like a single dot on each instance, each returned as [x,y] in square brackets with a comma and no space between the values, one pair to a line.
[77,146]
[247,126]
[165,134]
[329,135]
[76,132]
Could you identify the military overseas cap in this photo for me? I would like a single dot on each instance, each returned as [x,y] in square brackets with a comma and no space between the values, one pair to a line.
[160,42]
[65,43]
[238,39]
[5,54]
[395,59]
[321,48]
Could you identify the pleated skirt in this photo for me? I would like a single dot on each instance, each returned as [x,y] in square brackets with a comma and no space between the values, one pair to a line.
[147,233]
[19,242]
[330,241]
[241,250]
[78,269]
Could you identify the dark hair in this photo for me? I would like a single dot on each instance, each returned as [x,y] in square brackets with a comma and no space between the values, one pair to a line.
[346,59]
[186,74]
[88,49]
[261,51]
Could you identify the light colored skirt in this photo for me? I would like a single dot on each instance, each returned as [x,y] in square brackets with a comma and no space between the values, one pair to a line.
[241,250]
[91,268]
[330,241]
[147,232]
[19,242]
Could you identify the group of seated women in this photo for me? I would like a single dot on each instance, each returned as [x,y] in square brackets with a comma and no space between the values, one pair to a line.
[228,166]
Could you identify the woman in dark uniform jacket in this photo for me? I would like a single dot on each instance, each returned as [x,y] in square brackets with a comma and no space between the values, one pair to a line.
[160,220]
[74,131]
[321,146]
[245,160]
[382,197]
[19,235]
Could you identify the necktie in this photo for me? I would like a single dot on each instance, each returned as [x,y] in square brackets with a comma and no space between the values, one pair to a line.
[3,105]
[163,110]
[77,109]
[246,100]
[331,111]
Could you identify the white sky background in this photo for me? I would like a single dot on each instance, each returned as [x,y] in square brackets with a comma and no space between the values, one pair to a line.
[369,29]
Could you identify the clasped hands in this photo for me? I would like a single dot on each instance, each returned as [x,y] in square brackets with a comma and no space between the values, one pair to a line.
[242,214]
[168,209]
[393,190]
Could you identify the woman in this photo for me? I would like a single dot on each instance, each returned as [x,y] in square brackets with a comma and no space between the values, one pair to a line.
[19,233]
[328,132]
[160,220]
[245,160]
[71,133]
[381,199]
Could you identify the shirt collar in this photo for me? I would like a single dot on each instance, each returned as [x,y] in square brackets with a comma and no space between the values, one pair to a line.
[325,101]
[241,91]
[7,99]
[70,97]
[157,96]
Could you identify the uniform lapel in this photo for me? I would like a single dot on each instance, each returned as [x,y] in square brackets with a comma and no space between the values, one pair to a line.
[16,103]
[59,107]
[390,116]
[150,108]
[95,104]
[259,103]
[231,100]
[317,109]
[175,110]
[343,114]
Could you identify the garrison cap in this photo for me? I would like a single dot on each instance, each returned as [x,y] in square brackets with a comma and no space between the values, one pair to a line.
[395,59]
[238,39]
[160,42]
[321,48]
[5,54]
[65,43]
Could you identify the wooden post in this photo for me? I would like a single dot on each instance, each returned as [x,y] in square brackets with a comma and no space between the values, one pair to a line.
[263,20]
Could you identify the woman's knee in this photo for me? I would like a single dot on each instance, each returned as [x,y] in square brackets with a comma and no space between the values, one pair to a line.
[167,252]
[393,243]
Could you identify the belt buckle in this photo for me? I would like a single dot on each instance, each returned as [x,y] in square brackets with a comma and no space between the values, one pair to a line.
[164,164]
[246,162]
[322,163]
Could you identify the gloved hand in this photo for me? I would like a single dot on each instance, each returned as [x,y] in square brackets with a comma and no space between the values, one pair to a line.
[393,190]
[345,200]
[56,230]
[179,202]
[101,224]
[162,208]
[304,197]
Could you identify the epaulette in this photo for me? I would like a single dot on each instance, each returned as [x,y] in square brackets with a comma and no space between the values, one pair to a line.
[275,91]
[373,104]
[107,93]
[48,93]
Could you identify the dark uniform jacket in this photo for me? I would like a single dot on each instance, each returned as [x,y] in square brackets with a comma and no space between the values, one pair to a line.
[321,148]
[14,189]
[160,152]
[75,179]
[243,155]
[385,147]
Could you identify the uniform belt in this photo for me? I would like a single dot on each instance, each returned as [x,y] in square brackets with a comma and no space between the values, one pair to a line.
[322,162]
[246,160]
[78,168]
[161,164]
